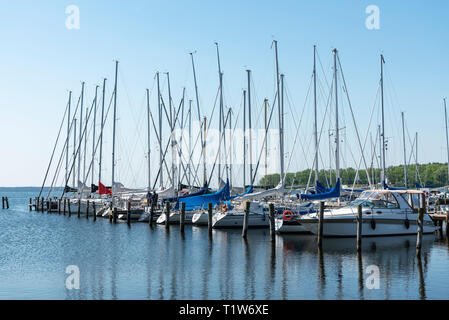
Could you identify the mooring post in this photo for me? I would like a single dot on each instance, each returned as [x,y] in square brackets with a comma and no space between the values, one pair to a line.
[69,206]
[94,211]
[167,214]
[79,207]
[128,213]
[209,218]
[7,203]
[359,228]
[42,204]
[447,224]
[115,215]
[420,226]
[245,219]
[87,209]
[59,205]
[65,205]
[320,224]
[150,219]
[31,205]
[272,225]
[3,202]
[182,216]
[36,204]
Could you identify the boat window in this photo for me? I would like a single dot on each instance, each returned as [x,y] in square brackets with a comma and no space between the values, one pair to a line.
[376,200]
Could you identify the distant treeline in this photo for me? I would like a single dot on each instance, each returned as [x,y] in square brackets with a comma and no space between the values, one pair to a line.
[431,174]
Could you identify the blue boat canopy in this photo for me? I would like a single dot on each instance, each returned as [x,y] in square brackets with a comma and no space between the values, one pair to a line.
[201,201]
[332,193]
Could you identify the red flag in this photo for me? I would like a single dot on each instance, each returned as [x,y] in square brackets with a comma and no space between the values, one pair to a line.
[103,190]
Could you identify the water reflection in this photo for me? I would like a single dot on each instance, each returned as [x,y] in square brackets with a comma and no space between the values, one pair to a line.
[117,262]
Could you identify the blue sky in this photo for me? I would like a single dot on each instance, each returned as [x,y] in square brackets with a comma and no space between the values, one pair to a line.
[40,60]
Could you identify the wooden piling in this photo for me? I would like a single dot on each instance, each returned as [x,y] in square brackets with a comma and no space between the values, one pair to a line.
[128,214]
[59,206]
[3,202]
[115,215]
[79,207]
[167,214]
[359,228]
[420,226]
[182,217]
[36,204]
[65,205]
[209,218]
[447,224]
[320,224]
[70,209]
[272,224]
[151,218]
[31,205]
[87,209]
[42,204]
[245,219]
[7,203]
[94,211]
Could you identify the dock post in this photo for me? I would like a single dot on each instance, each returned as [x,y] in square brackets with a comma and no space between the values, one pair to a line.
[3,202]
[70,209]
[7,203]
[272,225]
[36,204]
[151,218]
[94,211]
[209,218]
[115,215]
[31,205]
[65,205]
[128,214]
[167,214]
[320,224]
[79,207]
[359,228]
[447,224]
[87,209]
[59,206]
[245,219]
[420,226]
[182,217]
[42,204]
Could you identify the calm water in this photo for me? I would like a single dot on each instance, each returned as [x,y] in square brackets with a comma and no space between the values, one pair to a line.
[118,262]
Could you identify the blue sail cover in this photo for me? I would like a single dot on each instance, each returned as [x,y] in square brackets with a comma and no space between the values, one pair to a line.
[201,201]
[333,193]
[319,188]
[249,190]
[202,191]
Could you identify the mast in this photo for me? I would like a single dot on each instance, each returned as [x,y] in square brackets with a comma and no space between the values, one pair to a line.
[85,146]
[113,126]
[220,125]
[80,131]
[281,153]
[190,143]
[337,133]
[315,126]
[161,181]
[148,136]
[416,158]
[265,102]
[204,153]
[199,114]
[172,128]
[405,154]
[101,132]
[68,136]
[447,137]
[383,176]
[93,133]
[244,138]
[250,129]
[74,151]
